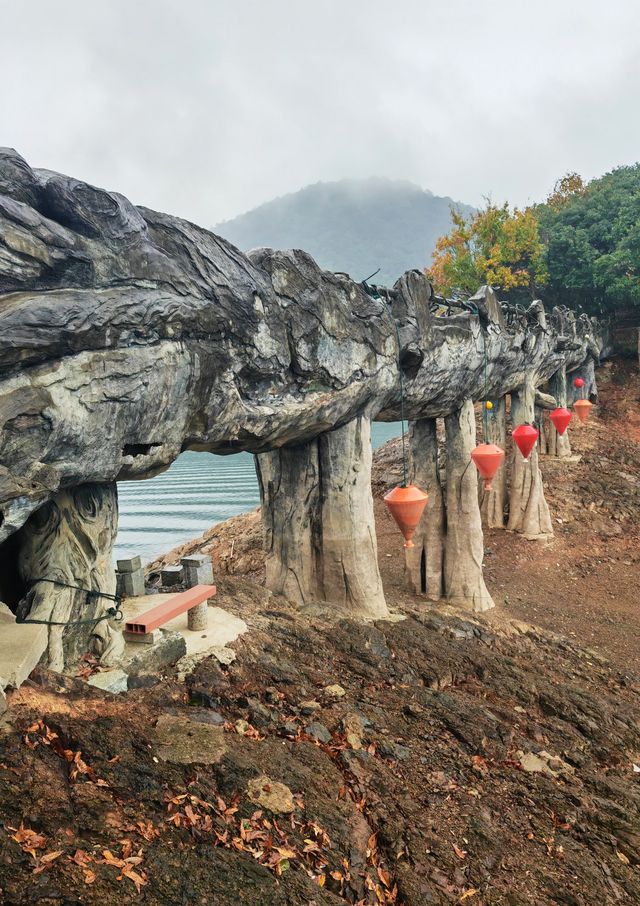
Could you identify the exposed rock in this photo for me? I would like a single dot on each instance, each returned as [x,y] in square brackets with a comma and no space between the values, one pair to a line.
[318,731]
[271,795]
[334,691]
[110,681]
[185,741]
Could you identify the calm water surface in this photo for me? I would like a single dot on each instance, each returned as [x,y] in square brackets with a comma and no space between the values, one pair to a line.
[196,492]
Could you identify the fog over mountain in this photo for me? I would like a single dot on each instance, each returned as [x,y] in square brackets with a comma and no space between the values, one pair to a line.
[354,225]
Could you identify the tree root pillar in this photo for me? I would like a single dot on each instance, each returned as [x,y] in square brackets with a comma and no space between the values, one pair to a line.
[528,510]
[317,512]
[558,445]
[425,561]
[68,542]
[464,550]
[493,503]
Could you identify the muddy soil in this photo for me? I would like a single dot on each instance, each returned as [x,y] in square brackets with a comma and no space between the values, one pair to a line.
[436,759]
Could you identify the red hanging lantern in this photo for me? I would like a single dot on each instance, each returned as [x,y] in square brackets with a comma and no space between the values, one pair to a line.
[578,382]
[582,408]
[488,459]
[525,436]
[406,505]
[560,418]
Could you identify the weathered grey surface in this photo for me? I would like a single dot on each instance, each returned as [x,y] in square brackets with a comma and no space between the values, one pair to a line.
[425,560]
[464,546]
[317,512]
[65,557]
[127,336]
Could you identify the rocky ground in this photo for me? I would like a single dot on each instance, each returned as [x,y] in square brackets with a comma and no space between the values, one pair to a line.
[435,759]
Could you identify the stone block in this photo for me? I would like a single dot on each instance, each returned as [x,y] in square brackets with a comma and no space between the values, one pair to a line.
[171,575]
[198,570]
[129,565]
[21,647]
[113,681]
[130,585]
[143,638]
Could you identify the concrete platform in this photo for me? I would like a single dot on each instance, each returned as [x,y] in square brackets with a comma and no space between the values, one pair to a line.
[223,626]
[21,647]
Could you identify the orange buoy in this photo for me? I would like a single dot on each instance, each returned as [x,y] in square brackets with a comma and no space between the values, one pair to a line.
[582,408]
[578,382]
[488,459]
[525,436]
[560,418]
[406,505]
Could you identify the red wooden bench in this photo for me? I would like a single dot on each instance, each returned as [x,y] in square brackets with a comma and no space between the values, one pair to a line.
[157,616]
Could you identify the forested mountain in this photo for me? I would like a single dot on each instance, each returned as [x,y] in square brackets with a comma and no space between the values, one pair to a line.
[355,226]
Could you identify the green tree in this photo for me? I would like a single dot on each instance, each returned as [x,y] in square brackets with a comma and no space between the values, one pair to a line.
[592,238]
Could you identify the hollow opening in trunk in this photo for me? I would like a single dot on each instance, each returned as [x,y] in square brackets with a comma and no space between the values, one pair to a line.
[12,588]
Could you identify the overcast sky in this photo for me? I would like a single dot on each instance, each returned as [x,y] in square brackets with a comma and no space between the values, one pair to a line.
[206,108]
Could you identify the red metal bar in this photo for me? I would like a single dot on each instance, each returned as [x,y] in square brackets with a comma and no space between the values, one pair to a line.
[169,609]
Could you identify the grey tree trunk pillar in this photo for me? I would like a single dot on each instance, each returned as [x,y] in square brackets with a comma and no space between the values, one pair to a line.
[70,540]
[425,561]
[289,480]
[558,444]
[464,550]
[528,510]
[317,512]
[493,503]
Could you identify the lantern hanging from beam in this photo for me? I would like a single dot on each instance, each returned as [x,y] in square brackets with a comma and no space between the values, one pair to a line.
[582,408]
[406,504]
[560,418]
[488,459]
[525,437]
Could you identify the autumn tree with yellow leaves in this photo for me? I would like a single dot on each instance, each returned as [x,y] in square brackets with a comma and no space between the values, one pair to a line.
[496,246]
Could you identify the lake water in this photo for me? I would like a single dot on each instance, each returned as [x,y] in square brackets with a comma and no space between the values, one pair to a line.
[196,492]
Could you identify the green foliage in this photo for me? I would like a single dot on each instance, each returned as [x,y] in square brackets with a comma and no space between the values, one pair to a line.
[592,238]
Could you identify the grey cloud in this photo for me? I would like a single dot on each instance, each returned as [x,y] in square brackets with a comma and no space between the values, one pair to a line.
[206,109]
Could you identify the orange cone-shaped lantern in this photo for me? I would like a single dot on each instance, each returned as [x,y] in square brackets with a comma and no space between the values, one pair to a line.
[525,436]
[488,459]
[560,418]
[582,408]
[406,505]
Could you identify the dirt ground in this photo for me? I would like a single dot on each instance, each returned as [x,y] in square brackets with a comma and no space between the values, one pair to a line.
[438,759]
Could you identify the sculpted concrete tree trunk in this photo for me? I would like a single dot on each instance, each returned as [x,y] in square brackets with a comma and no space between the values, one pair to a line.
[70,540]
[528,510]
[319,523]
[425,561]
[289,481]
[493,502]
[464,551]
[558,445]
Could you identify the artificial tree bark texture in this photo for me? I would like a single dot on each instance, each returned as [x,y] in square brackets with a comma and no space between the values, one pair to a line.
[464,546]
[128,336]
[558,445]
[493,503]
[319,523]
[528,509]
[69,542]
[425,560]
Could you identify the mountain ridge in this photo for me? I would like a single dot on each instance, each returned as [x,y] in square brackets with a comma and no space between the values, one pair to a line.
[351,225]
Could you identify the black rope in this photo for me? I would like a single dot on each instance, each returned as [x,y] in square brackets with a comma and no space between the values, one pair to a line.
[401,377]
[112,613]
